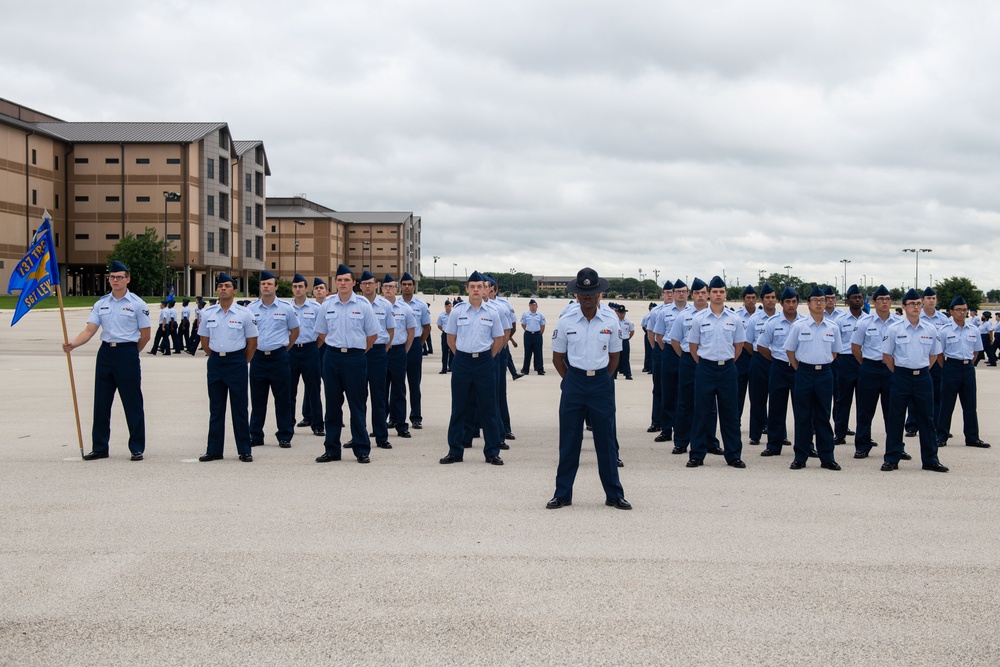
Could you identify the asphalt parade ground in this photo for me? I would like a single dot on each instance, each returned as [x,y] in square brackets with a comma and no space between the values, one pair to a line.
[404,561]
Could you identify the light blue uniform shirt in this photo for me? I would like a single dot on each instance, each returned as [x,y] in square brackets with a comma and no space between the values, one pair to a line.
[716,335]
[227,331]
[347,325]
[814,343]
[755,326]
[870,334]
[308,315]
[568,309]
[911,346]
[775,333]
[403,321]
[532,321]
[474,328]
[847,324]
[511,315]
[680,328]
[500,312]
[443,319]
[120,319]
[625,328]
[274,323]
[960,342]
[386,322]
[186,313]
[745,315]
[421,311]
[938,319]
[587,345]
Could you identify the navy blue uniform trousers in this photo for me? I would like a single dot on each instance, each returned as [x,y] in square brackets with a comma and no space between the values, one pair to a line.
[715,391]
[590,396]
[958,382]
[194,340]
[346,374]
[227,377]
[670,365]
[914,388]
[377,364]
[303,362]
[757,385]
[503,412]
[684,416]
[414,373]
[812,400]
[396,386]
[308,406]
[647,353]
[911,419]
[846,382]
[656,358]
[780,385]
[446,355]
[874,384]
[118,370]
[624,365]
[742,379]
[473,393]
[533,350]
[271,372]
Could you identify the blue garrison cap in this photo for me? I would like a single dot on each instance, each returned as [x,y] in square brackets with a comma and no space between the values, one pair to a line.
[318,281]
[853,289]
[680,284]
[490,279]
[930,292]
[748,290]
[476,277]
[828,291]
[958,301]
[911,295]
[407,276]
[881,291]
[163,302]
[668,286]
[716,283]
[117,266]
[224,278]
[343,270]
[789,293]
[267,275]
[532,301]
[447,302]
[367,275]
[388,279]
[298,278]
[185,302]
[698,284]
[815,291]
[766,289]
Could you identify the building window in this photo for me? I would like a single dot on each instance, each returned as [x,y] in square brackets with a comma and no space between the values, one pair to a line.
[111,237]
[273,229]
[173,237]
[110,160]
[82,160]
[249,187]
[273,265]
[259,247]
[112,198]
[259,190]
[57,202]
[379,232]
[210,206]
[248,215]
[249,253]
[34,156]
[273,247]
[140,160]
[259,155]
[224,206]
[81,198]
[173,160]
[82,237]
[34,197]
[259,211]
[223,139]
[223,241]
[211,169]
[57,162]
[210,243]
[223,171]
[142,200]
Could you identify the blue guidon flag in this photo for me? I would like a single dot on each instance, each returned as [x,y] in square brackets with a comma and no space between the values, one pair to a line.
[37,274]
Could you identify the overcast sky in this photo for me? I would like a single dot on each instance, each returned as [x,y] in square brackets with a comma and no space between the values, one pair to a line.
[692,138]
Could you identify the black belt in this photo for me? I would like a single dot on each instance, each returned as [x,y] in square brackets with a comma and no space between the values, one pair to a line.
[301,345]
[814,367]
[345,350]
[957,362]
[717,362]
[473,355]
[242,350]
[268,353]
[913,371]
[779,361]
[875,361]
[126,344]
[590,374]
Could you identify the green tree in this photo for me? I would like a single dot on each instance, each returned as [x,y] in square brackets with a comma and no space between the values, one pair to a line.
[896,293]
[993,296]
[949,288]
[143,255]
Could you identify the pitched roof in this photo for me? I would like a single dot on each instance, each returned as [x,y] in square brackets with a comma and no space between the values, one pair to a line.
[298,212]
[242,146]
[373,217]
[147,133]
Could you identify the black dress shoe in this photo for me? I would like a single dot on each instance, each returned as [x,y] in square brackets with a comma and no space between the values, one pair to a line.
[755,442]
[715,449]
[910,434]
[889,467]
[210,457]
[618,503]
[256,444]
[95,455]
[451,458]
[693,463]
[320,432]
[348,445]
[326,458]
[467,445]
[558,502]
[738,463]
[494,460]
[653,428]
[503,445]
[509,436]
[797,465]
[620,464]
[850,432]
[442,372]
[860,455]
[977,443]
[830,465]
[384,444]
[935,467]
[840,441]
[517,376]
[590,428]
[770,452]
[941,443]
[813,454]
[417,424]
[303,423]
[284,444]
[905,457]
[364,458]
[137,456]
[663,437]
[540,373]
[404,434]
[246,458]
[390,424]
[679,450]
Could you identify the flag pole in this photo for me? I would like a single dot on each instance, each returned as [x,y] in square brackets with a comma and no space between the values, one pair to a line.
[69,363]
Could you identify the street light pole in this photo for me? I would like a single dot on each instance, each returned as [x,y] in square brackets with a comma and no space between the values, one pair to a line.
[436,258]
[916,270]
[788,274]
[295,258]
[167,197]
[453,265]
[845,262]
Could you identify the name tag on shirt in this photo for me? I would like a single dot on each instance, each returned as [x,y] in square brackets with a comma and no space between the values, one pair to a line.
[308,315]
[235,324]
[828,337]
[211,324]
[903,338]
[463,321]
[104,309]
[805,335]
[280,316]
